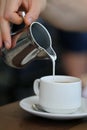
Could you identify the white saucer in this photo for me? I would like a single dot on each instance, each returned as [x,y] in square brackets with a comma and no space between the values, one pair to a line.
[27,103]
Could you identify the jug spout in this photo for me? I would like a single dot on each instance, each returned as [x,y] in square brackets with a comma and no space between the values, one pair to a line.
[42,39]
[51,53]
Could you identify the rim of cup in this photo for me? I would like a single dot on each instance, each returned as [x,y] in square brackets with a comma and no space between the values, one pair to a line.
[60,79]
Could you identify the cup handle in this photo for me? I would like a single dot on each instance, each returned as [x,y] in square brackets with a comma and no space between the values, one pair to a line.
[36,86]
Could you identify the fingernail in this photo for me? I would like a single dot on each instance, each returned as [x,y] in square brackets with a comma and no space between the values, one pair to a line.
[30,20]
[7,44]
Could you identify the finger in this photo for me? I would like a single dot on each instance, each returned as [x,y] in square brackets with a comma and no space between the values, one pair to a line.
[33,11]
[14,17]
[11,12]
[2,8]
[5,32]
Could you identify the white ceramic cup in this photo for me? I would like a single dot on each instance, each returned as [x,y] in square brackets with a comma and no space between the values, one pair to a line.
[58,94]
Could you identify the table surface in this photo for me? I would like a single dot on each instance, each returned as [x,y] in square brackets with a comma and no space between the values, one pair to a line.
[12,117]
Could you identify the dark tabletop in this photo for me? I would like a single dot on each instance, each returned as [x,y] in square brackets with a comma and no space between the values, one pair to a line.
[12,117]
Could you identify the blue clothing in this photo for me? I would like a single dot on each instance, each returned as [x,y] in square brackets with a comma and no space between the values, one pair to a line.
[73,41]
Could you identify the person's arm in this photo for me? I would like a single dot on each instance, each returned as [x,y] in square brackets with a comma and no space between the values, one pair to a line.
[67,14]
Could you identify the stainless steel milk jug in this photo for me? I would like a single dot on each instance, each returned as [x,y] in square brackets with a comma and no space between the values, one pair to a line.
[33,42]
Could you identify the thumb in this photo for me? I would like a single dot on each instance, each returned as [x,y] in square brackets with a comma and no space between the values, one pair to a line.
[33,13]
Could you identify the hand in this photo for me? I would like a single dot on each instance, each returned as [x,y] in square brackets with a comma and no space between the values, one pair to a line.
[9,13]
